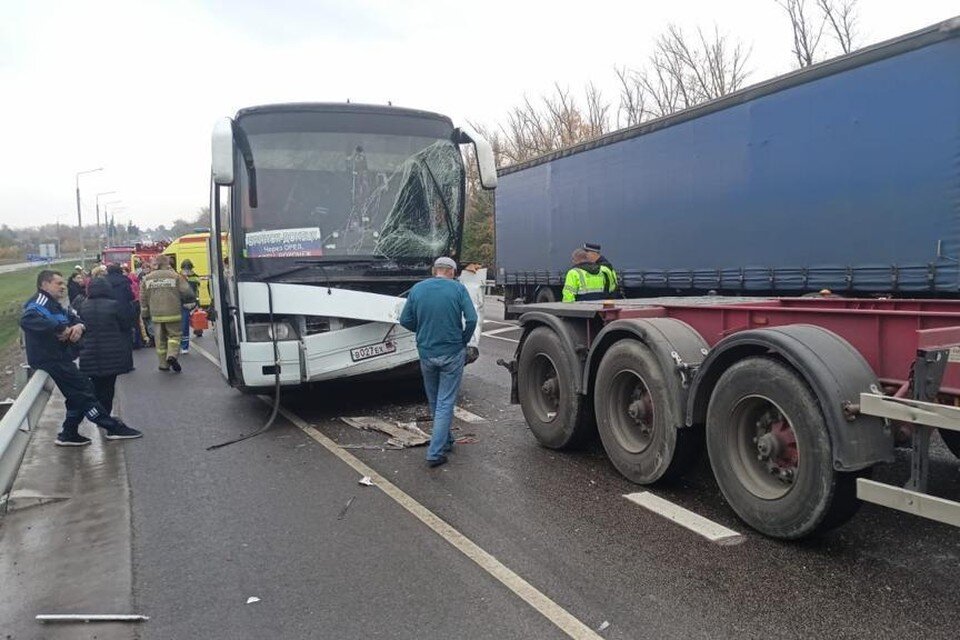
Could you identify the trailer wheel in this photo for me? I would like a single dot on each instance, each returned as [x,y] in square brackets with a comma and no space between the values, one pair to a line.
[771,453]
[558,416]
[637,418]
[952,440]
[545,294]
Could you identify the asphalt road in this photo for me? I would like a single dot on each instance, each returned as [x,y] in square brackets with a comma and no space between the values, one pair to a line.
[266,518]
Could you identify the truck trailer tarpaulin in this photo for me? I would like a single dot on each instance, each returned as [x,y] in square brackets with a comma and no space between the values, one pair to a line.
[844,175]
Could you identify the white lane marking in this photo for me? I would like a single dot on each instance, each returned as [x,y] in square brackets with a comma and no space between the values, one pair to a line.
[495,332]
[685,518]
[485,335]
[466,416]
[553,612]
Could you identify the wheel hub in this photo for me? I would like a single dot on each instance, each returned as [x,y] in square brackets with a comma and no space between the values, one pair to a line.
[776,446]
[632,416]
[550,388]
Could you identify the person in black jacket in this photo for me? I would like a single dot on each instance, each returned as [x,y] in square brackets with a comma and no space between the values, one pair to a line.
[76,286]
[51,334]
[121,291]
[106,350]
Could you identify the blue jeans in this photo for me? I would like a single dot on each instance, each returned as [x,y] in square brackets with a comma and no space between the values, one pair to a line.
[185,330]
[441,381]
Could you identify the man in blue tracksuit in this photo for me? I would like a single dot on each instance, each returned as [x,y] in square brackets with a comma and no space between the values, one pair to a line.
[51,334]
[440,312]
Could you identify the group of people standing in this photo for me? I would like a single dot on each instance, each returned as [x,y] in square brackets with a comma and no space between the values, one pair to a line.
[96,318]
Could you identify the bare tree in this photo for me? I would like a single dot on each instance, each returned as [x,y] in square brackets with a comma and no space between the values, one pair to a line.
[842,19]
[555,121]
[633,104]
[808,22]
[682,73]
[807,30]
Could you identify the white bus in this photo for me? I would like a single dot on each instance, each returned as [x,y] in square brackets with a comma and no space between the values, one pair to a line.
[331,212]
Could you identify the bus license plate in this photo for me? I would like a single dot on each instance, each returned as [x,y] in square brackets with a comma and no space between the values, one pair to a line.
[372,351]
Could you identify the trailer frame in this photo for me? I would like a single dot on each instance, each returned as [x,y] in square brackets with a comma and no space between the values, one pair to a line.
[861,358]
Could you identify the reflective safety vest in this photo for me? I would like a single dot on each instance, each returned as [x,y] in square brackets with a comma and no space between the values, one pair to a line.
[611,277]
[580,284]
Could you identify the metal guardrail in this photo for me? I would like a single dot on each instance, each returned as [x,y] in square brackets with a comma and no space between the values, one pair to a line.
[17,426]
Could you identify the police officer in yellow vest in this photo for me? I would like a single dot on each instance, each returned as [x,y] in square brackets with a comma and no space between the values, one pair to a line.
[594,255]
[588,280]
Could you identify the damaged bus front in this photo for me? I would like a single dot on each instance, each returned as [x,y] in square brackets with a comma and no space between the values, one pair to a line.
[332,213]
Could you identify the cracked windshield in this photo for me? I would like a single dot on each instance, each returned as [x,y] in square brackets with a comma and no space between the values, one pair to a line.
[337,195]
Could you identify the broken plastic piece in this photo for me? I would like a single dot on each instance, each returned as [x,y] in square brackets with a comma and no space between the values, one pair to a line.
[603,626]
[366,481]
[252,599]
[402,434]
[343,511]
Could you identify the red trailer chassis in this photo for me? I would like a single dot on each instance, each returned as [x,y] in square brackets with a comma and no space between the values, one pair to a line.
[779,380]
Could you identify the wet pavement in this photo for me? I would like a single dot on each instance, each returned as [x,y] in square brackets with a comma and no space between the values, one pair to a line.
[281,518]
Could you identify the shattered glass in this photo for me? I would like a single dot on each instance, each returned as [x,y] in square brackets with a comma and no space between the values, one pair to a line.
[424,218]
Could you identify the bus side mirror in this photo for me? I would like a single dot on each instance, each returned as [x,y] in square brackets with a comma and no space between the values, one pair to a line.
[484,152]
[222,152]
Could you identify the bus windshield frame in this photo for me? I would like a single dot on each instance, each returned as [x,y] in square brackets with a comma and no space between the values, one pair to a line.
[346,185]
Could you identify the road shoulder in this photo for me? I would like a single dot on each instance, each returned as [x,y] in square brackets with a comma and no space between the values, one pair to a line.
[65,541]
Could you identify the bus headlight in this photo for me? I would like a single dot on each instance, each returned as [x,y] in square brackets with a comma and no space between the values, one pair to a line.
[263,332]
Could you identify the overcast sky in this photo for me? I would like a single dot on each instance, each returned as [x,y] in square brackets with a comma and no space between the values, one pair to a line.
[135,86]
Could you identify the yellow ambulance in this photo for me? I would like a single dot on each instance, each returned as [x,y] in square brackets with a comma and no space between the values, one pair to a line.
[193,247]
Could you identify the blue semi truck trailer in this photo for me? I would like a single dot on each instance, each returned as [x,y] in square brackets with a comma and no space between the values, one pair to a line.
[841,176]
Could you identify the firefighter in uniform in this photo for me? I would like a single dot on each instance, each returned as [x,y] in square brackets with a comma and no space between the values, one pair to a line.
[587,280]
[51,334]
[162,295]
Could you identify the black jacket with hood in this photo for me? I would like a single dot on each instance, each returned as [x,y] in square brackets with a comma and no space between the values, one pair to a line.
[107,347]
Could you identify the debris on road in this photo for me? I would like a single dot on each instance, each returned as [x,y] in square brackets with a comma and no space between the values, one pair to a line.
[252,599]
[462,414]
[604,626]
[467,438]
[370,447]
[402,435]
[91,617]
[366,481]
[343,511]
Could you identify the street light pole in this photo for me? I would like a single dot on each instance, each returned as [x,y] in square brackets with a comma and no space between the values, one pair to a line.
[83,248]
[102,193]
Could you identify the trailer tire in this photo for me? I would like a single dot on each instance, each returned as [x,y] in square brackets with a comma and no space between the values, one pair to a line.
[952,440]
[545,294]
[638,419]
[771,453]
[558,416]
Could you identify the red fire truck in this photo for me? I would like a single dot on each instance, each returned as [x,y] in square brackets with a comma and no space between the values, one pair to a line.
[132,254]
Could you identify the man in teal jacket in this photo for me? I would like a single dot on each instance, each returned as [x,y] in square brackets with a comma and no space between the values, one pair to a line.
[440,312]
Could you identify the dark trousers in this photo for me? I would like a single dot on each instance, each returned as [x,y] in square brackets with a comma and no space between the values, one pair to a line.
[104,387]
[80,396]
